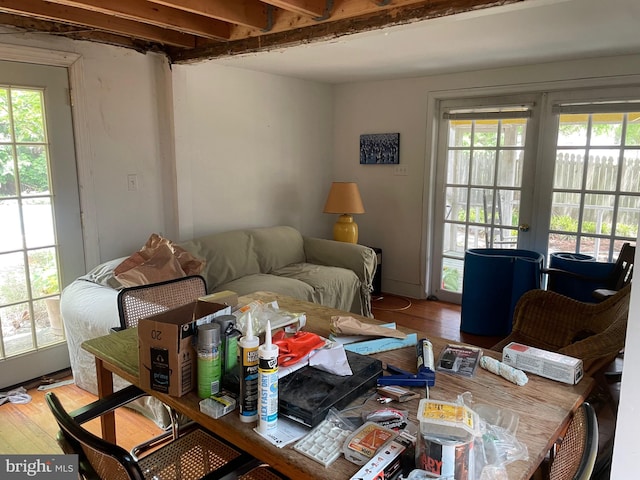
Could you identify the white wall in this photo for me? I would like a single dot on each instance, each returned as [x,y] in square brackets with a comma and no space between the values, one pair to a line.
[252,149]
[397,218]
[124,132]
[626,447]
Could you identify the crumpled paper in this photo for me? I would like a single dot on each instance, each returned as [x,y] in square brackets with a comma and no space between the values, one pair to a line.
[331,359]
[158,260]
[352,326]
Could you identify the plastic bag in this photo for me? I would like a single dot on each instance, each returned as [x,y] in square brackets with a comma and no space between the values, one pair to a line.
[483,455]
[324,443]
[261,312]
[497,446]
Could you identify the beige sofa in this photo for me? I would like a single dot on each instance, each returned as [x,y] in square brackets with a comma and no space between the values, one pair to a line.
[277,259]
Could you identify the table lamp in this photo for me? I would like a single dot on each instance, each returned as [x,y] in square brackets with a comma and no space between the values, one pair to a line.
[344,198]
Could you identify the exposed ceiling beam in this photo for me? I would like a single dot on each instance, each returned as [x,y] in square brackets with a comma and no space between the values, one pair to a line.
[158,15]
[310,8]
[380,18]
[285,20]
[188,30]
[249,13]
[83,18]
[35,26]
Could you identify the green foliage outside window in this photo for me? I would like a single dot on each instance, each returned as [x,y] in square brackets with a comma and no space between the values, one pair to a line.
[25,109]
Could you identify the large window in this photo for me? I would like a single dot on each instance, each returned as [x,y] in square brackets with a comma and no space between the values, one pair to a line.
[596,185]
[29,279]
[482,176]
[547,171]
[41,246]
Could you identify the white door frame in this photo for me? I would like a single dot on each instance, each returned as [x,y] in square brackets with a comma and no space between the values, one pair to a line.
[430,184]
[84,153]
[14,369]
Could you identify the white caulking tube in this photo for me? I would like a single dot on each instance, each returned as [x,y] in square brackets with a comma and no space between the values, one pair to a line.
[249,374]
[267,384]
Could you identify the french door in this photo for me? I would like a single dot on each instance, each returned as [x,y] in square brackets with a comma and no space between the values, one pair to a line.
[41,248]
[485,158]
[595,190]
[547,171]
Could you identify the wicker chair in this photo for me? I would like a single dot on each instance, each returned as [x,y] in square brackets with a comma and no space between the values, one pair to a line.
[143,301]
[136,303]
[593,332]
[575,454]
[194,455]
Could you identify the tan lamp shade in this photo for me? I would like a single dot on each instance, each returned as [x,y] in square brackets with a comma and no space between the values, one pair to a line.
[344,199]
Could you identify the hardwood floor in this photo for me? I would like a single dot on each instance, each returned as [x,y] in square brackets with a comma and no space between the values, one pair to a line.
[30,427]
[436,318]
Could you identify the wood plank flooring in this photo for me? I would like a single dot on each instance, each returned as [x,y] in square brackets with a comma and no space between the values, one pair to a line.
[436,318]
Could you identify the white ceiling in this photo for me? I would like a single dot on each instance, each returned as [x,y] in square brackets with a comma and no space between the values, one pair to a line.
[532,31]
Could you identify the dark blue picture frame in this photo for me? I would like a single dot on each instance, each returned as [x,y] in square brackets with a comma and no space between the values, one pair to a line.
[380,149]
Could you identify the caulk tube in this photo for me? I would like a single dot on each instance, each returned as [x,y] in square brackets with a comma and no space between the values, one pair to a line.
[248,345]
[267,384]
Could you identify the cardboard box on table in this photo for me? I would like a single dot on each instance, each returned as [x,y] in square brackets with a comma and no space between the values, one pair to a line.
[555,366]
[166,353]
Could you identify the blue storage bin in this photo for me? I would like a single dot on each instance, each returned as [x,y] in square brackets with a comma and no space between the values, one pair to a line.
[494,280]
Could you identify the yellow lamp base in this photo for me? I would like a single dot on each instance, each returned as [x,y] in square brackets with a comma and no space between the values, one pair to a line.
[345,229]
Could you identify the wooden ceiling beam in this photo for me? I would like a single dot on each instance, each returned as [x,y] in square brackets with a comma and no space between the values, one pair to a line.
[248,13]
[322,31]
[342,10]
[82,18]
[310,8]
[34,26]
[158,15]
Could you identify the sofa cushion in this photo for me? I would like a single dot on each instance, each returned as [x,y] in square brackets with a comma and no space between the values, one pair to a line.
[271,283]
[277,247]
[229,255]
[332,286]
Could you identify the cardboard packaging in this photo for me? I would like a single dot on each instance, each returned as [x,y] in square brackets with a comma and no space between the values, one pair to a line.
[555,366]
[226,297]
[394,459]
[166,353]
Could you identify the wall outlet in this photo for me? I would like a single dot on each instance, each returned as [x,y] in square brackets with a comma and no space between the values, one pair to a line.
[401,170]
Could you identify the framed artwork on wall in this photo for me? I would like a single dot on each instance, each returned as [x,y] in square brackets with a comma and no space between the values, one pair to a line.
[380,149]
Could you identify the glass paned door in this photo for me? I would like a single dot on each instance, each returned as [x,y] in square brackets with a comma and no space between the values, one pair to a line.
[41,247]
[481,203]
[596,186]
[29,281]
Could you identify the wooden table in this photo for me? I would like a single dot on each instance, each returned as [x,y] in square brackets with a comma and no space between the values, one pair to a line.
[544,406]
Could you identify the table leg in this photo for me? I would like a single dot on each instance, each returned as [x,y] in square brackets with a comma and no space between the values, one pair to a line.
[105,387]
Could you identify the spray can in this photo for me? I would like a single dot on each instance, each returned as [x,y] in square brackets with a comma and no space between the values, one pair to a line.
[209,368]
[267,384]
[229,342]
[248,345]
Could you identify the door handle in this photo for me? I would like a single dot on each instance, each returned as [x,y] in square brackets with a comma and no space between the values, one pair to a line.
[523,227]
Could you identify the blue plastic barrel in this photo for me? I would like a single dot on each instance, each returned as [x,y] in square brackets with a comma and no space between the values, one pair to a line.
[493,282]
